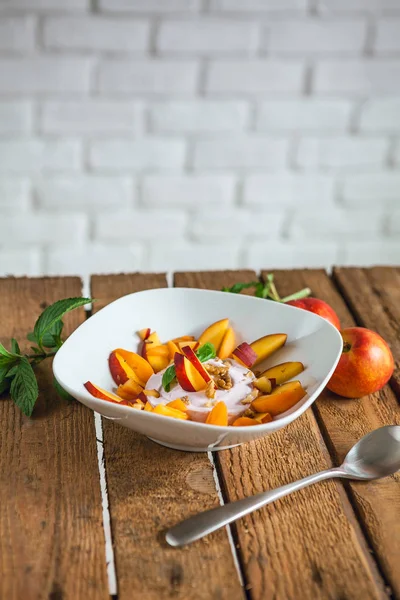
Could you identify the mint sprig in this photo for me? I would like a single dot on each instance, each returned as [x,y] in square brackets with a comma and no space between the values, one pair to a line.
[204,353]
[16,369]
[267,290]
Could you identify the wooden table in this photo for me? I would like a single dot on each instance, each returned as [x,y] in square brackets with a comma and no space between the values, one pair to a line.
[336,540]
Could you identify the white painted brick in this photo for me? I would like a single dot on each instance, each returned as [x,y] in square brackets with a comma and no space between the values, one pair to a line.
[328,6]
[304,115]
[44,74]
[336,224]
[236,224]
[149,6]
[387,35]
[248,152]
[15,117]
[120,155]
[370,253]
[148,76]
[19,262]
[140,225]
[341,152]
[37,228]
[397,153]
[33,156]
[198,117]
[17,34]
[288,190]
[85,192]
[394,223]
[288,255]
[37,5]
[254,76]
[96,34]
[182,256]
[258,5]
[315,36]
[372,189]
[357,77]
[14,194]
[381,115]
[207,36]
[186,191]
[94,258]
[91,117]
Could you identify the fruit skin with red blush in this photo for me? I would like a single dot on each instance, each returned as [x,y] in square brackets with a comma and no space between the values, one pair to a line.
[365,366]
[319,307]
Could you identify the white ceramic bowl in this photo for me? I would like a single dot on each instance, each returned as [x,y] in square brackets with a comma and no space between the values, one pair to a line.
[177,311]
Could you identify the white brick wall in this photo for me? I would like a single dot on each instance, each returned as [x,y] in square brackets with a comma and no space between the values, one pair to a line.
[197,134]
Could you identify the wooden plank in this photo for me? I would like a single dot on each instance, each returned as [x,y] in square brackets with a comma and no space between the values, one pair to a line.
[307,545]
[345,421]
[51,532]
[374,298]
[150,489]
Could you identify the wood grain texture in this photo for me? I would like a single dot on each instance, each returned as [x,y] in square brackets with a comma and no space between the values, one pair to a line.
[307,545]
[150,489]
[345,421]
[51,533]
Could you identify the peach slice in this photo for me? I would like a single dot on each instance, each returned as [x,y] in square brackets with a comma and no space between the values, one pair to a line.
[267,345]
[218,415]
[193,345]
[263,384]
[178,404]
[161,350]
[129,390]
[245,422]
[263,417]
[214,334]
[98,392]
[172,348]
[187,375]
[245,354]
[148,407]
[121,371]
[145,394]
[167,411]
[183,338]
[190,355]
[151,341]
[283,372]
[280,400]
[158,363]
[141,368]
[144,333]
[228,344]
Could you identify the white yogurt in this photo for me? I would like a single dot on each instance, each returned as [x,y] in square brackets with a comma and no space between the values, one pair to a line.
[199,404]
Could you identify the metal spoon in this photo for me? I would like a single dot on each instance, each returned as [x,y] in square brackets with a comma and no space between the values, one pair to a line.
[376,455]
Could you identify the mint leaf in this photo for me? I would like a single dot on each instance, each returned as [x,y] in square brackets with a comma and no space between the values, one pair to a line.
[14,347]
[4,386]
[206,352]
[238,287]
[52,338]
[6,355]
[52,314]
[24,388]
[168,377]
[61,392]
[32,337]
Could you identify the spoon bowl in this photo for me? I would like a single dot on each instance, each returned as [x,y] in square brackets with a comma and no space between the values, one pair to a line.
[376,455]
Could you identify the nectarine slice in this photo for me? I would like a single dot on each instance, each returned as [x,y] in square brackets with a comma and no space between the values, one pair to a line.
[281,398]
[129,390]
[98,392]
[137,363]
[187,375]
[214,334]
[283,372]
[148,407]
[263,417]
[228,344]
[161,350]
[158,363]
[193,345]
[245,422]
[167,411]
[245,355]
[178,404]
[183,338]
[263,384]
[121,371]
[190,355]
[144,333]
[267,345]
[218,415]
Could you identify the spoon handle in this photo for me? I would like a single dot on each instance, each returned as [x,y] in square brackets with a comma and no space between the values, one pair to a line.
[208,521]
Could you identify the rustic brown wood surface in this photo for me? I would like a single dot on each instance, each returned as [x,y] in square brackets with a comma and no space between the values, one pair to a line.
[150,489]
[343,421]
[307,545]
[51,534]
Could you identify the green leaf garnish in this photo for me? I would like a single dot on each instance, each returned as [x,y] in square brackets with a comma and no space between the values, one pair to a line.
[52,314]
[204,353]
[24,388]
[267,290]
[168,377]
[14,347]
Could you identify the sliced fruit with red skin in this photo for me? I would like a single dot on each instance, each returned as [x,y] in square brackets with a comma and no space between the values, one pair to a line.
[214,334]
[283,372]
[158,363]
[98,392]
[190,355]
[172,348]
[121,371]
[267,345]
[245,422]
[263,417]
[183,338]
[167,411]
[187,375]
[263,384]
[178,404]
[129,390]
[144,333]
[281,398]
[152,341]
[145,394]
[245,355]
[161,350]
[218,415]
[228,344]
[137,363]
[193,345]
[148,407]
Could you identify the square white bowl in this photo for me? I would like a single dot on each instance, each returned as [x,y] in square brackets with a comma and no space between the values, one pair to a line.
[180,311]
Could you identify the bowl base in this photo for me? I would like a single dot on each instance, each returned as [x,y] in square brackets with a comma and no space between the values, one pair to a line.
[191,448]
